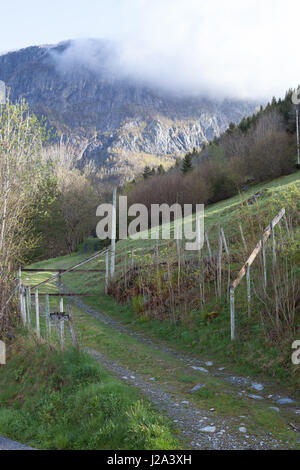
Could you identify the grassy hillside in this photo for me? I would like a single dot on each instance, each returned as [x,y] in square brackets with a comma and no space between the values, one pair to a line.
[225,213]
[252,352]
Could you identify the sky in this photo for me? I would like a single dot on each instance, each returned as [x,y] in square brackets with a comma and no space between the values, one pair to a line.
[234,48]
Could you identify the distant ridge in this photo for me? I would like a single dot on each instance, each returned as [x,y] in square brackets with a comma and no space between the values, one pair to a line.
[133,124]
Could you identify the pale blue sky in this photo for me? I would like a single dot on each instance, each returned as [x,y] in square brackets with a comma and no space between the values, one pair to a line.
[246,48]
[29,22]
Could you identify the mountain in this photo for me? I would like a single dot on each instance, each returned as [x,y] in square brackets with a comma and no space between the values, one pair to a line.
[128,123]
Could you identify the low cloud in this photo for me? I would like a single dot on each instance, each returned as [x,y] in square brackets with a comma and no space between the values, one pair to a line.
[224,49]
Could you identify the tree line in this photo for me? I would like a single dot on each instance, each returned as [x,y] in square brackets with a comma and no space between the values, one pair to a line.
[261,147]
[47,206]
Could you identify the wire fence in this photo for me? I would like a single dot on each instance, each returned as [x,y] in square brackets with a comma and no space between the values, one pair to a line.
[216,261]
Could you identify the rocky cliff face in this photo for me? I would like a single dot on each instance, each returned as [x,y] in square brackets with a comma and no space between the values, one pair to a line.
[134,125]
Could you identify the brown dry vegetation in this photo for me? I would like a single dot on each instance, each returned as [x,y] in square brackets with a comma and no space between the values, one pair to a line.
[191,288]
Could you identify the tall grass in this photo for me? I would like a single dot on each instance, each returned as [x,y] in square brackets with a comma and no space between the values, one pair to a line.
[55,401]
[186,288]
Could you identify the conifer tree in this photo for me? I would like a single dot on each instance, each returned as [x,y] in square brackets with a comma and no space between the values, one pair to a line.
[147,172]
[187,163]
[161,170]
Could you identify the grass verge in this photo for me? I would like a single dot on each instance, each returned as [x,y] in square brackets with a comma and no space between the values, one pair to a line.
[68,401]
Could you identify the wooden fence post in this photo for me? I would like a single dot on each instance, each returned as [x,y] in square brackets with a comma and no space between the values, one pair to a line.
[113,234]
[62,324]
[106,271]
[232,314]
[178,259]
[28,306]
[220,265]
[224,241]
[72,328]
[23,317]
[198,231]
[208,247]
[228,257]
[273,243]
[61,304]
[201,273]
[156,250]
[125,271]
[269,231]
[37,313]
[47,314]
[274,262]
[2,353]
[243,238]
[59,283]
[23,300]
[248,290]
[257,249]
[263,247]
[286,224]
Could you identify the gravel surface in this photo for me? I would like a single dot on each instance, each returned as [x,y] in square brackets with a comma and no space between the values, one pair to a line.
[200,429]
[267,392]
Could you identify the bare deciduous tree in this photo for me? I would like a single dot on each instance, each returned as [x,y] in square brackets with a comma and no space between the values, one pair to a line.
[21,169]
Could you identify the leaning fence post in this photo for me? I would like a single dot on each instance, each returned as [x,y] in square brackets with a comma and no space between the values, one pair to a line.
[224,241]
[232,314]
[243,238]
[37,313]
[248,290]
[208,247]
[286,224]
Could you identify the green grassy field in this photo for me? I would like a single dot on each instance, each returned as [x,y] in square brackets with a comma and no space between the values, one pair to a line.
[250,353]
[226,213]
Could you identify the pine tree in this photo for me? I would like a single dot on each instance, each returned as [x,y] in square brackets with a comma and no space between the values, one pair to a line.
[147,172]
[161,170]
[231,128]
[187,163]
